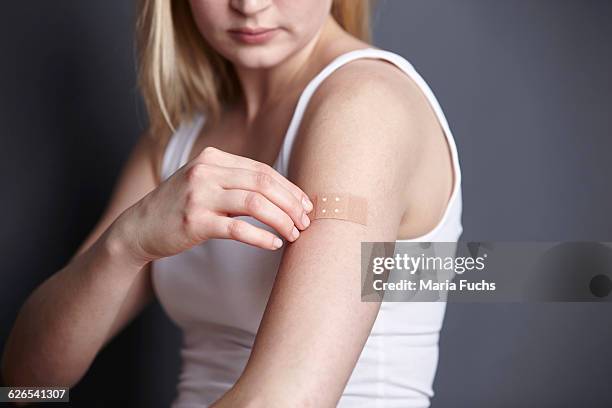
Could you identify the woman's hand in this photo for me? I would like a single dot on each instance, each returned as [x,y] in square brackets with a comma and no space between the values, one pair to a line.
[198,201]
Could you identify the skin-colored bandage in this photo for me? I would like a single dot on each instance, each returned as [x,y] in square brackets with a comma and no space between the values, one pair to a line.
[342,206]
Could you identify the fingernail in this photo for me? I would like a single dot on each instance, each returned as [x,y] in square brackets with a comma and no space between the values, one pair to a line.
[306,204]
[295,233]
[277,243]
[305,220]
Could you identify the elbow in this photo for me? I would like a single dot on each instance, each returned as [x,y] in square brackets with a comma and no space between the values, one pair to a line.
[18,375]
[9,377]
[20,368]
[14,375]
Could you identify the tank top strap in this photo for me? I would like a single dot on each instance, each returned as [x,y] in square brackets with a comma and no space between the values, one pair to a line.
[179,146]
[372,53]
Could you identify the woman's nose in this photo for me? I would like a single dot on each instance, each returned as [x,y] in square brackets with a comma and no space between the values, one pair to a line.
[249,7]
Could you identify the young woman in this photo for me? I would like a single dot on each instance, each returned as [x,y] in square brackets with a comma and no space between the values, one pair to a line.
[270,102]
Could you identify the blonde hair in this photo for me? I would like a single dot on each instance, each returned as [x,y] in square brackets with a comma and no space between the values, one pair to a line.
[179,74]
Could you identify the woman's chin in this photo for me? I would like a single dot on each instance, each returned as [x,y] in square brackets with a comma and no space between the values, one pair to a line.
[257,57]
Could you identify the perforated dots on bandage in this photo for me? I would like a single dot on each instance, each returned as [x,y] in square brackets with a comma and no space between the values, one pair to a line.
[342,206]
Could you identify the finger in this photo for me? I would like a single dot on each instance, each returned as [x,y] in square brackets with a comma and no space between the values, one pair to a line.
[269,187]
[244,202]
[219,157]
[239,230]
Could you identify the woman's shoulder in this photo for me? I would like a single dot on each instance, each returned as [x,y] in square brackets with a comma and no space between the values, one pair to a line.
[367,82]
[368,91]
[365,105]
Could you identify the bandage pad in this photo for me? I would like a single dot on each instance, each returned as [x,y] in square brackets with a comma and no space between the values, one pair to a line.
[341,206]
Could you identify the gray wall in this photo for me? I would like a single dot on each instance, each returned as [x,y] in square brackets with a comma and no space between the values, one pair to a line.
[526,88]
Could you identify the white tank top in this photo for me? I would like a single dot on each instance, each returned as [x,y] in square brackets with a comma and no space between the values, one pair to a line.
[216,292]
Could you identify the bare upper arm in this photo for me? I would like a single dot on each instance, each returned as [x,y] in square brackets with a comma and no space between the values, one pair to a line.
[355,137]
[365,113]
[391,98]
[136,179]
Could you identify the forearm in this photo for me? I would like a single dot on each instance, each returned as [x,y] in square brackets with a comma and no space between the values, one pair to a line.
[66,320]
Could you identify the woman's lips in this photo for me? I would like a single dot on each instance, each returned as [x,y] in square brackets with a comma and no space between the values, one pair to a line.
[253,35]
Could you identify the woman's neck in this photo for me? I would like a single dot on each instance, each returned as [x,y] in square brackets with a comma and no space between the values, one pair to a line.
[264,87]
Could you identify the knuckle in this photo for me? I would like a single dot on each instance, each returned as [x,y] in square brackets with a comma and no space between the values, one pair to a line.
[252,202]
[297,208]
[263,168]
[194,224]
[196,172]
[263,181]
[235,229]
[208,153]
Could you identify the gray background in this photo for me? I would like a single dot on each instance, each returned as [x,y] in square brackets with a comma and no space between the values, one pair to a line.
[525,85]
